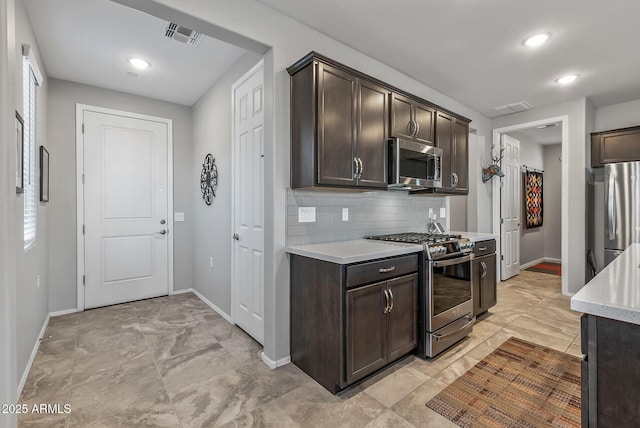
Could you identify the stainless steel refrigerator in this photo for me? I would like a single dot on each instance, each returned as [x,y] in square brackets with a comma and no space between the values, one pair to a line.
[622,208]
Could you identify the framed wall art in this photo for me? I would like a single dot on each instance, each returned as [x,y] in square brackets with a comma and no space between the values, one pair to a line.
[19,132]
[44,174]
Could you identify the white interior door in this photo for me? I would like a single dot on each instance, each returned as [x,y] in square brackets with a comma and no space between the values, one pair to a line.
[510,203]
[126,207]
[248,202]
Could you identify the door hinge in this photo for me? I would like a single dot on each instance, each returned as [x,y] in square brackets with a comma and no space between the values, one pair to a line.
[83,229]
[84,280]
[83,128]
[82,178]
[501,257]
[501,221]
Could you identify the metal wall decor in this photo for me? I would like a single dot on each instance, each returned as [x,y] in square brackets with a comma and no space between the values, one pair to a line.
[209,179]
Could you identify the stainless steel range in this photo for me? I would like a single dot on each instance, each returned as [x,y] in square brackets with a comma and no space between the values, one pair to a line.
[446,297]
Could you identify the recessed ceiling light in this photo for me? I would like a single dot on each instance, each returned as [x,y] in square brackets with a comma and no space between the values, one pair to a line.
[565,80]
[536,40]
[139,63]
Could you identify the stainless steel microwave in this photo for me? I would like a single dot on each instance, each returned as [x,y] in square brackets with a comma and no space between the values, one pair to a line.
[413,165]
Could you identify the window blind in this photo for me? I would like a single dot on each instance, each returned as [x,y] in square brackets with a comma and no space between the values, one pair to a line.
[29,163]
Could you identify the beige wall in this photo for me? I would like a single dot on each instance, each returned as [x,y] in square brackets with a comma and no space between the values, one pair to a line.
[63,97]
[8,333]
[32,301]
[552,200]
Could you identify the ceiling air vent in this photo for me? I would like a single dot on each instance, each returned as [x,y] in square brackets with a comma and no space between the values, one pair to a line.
[183,34]
[513,107]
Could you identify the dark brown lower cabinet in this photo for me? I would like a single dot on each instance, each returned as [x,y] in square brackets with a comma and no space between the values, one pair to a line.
[347,321]
[484,277]
[380,329]
[610,372]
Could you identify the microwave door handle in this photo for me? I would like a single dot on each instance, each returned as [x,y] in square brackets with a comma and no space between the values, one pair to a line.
[417,128]
[612,207]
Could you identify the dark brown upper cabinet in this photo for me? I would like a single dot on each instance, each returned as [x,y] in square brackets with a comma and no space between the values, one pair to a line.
[341,120]
[620,145]
[339,125]
[411,120]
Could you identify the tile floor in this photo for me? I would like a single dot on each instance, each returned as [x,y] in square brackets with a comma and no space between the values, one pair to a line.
[173,362]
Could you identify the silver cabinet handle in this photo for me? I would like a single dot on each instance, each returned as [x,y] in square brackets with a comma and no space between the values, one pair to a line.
[410,128]
[482,248]
[236,236]
[385,270]
[386,306]
[484,269]
[454,178]
[162,232]
[355,174]
[612,207]
[391,305]
[361,167]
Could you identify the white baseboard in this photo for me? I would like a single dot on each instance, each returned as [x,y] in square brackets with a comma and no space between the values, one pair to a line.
[36,346]
[552,260]
[65,312]
[274,364]
[533,263]
[222,313]
[183,291]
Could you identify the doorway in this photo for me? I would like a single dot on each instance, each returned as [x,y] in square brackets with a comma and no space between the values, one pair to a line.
[125,203]
[559,180]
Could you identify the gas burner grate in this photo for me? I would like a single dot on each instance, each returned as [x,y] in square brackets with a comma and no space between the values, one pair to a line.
[416,238]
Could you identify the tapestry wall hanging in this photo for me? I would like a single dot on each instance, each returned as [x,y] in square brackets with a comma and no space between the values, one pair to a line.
[533,198]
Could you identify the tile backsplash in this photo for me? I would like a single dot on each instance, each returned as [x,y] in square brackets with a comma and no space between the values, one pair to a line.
[370,213]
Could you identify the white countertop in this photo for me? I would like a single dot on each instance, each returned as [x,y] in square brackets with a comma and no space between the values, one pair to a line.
[475,236]
[358,250]
[615,292]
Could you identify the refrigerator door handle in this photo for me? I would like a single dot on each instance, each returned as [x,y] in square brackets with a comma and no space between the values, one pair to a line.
[611,207]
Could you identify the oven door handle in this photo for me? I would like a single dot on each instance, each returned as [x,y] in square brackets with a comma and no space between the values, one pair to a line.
[470,321]
[451,262]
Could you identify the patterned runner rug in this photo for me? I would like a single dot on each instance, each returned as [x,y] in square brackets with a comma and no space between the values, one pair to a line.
[552,268]
[520,384]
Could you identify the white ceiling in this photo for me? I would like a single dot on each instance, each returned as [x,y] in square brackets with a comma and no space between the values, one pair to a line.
[471,50]
[89,41]
[544,136]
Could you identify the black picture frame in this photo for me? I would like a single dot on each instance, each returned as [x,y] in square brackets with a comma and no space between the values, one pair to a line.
[44,174]
[19,130]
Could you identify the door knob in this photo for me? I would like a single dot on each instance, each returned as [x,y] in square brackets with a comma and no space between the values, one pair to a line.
[163,232]
[163,221]
[236,236]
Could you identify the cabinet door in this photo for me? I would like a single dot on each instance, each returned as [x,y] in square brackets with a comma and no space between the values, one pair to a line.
[336,126]
[488,295]
[444,140]
[373,133]
[622,146]
[424,116]
[402,125]
[366,330]
[476,277]
[402,333]
[461,154]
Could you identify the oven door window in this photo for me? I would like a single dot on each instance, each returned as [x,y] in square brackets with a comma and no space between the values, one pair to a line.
[451,286]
